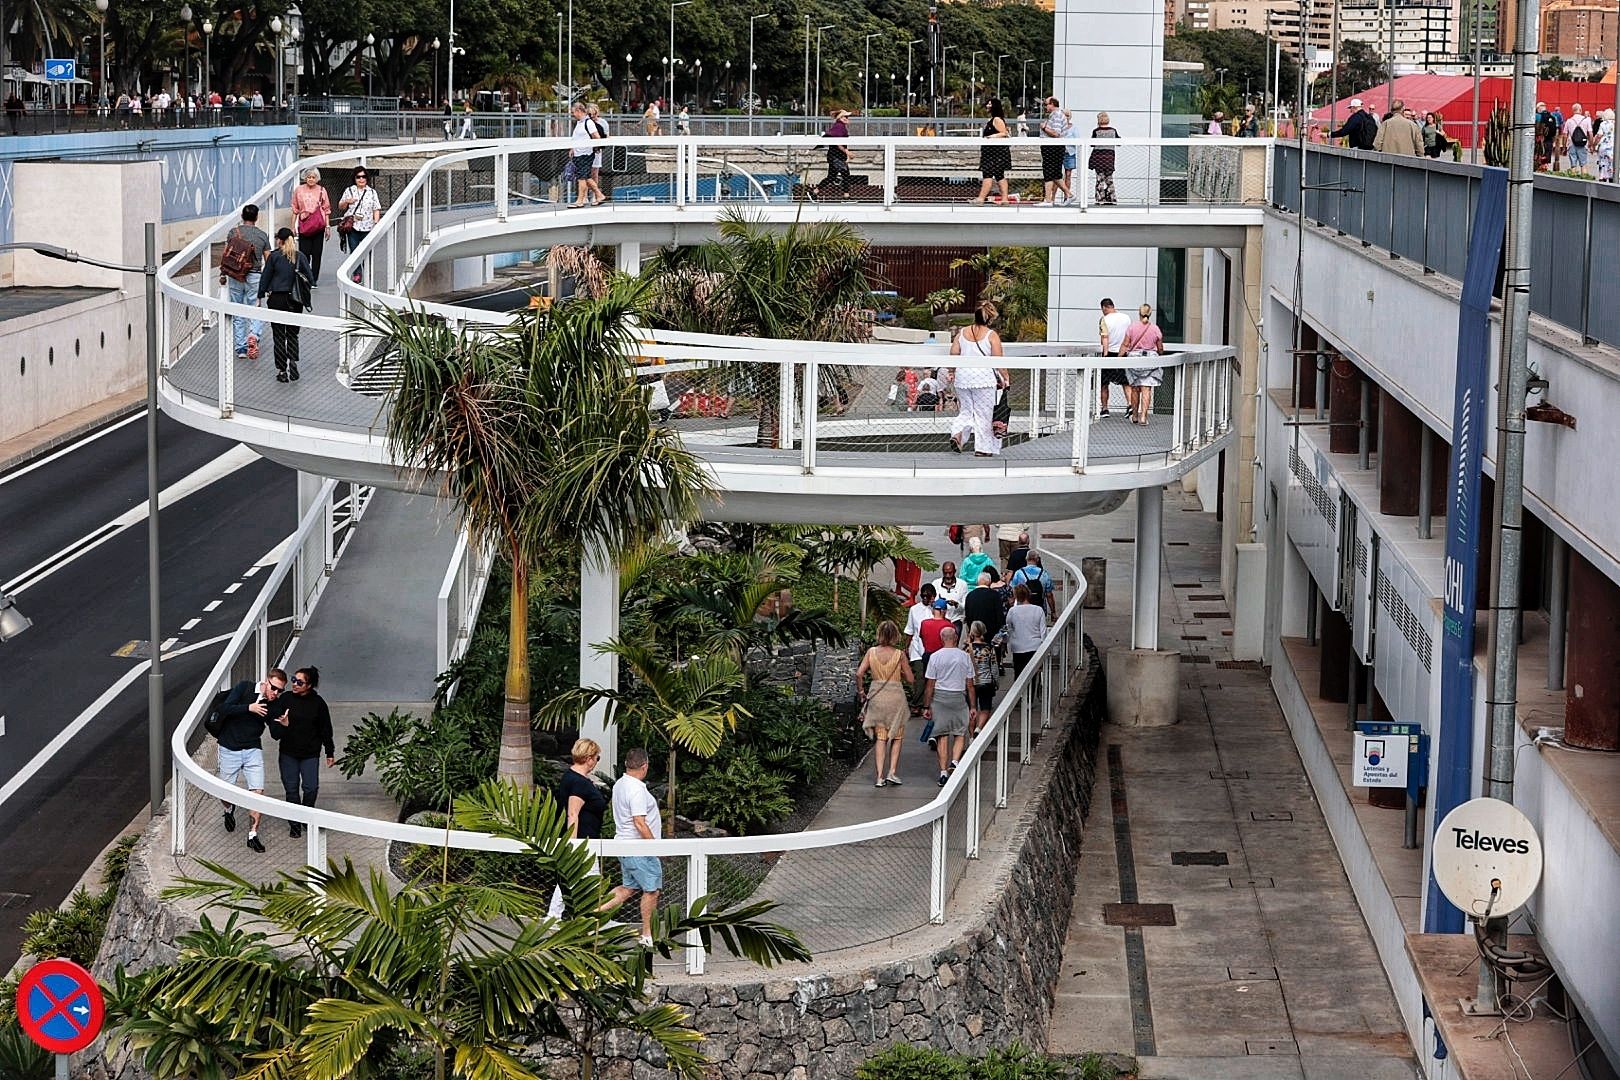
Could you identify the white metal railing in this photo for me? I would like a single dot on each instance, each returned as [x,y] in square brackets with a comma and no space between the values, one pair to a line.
[458,601]
[956,818]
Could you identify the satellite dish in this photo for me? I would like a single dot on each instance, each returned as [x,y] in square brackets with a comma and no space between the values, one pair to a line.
[1487,857]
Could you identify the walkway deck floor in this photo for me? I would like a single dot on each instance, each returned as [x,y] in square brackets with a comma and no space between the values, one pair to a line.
[1269,971]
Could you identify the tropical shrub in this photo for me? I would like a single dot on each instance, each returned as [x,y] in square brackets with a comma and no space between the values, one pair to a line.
[75,930]
[739,794]
[1015,1062]
[920,317]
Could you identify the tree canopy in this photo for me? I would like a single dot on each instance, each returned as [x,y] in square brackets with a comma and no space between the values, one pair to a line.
[1242,54]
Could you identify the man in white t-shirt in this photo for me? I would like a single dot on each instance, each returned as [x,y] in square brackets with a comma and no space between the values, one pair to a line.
[1111,334]
[635,814]
[946,703]
[920,612]
[953,589]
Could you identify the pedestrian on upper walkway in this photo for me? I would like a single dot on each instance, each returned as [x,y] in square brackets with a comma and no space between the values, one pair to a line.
[1103,161]
[885,708]
[284,286]
[584,805]
[1605,147]
[1143,339]
[1400,135]
[241,720]
[977,387]
[1578,137]
[916,615]
[312,217]
[1111,329]
[837,181]
[986,667]
[1249,126]
[1026,626]
[977,561]
[952,588]
[240,264]
[995,160]
[1360,128]
[302,724]
[1056,128]
[361,209]
[983,605]
[1217,124]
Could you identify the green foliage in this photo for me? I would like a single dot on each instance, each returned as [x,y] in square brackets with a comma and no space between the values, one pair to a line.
[1241,52]
[1015,1062]
[739,794]
[943,299]
[75,930]
[20,1057]
[425,764]
[1358,67]
[1015,281]
[461,976]
[920,317]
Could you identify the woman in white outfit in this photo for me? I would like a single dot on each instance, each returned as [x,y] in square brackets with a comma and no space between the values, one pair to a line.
[977,387]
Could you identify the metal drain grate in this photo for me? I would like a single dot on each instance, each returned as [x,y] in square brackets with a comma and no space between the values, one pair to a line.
[1250,883]
[1252,974]
[14,900]
[1139,914]
[1194,658]
[1203,596]
[1270,815]
[1194,637]
[1198,858]
[1230,774]
[1212,614]
[1267,1047]
[1240,665]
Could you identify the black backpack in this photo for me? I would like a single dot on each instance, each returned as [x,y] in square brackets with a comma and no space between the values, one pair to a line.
[1578,136]
[213,722]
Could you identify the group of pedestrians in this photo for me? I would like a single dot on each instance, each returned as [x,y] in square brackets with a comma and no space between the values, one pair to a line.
[1058,157]
[945,665]
[283,274]
[298,720]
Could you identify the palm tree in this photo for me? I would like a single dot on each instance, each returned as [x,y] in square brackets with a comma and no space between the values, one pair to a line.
[853,550]
[1015,281]
[687,702]
[464,975]
[807,283]
[540,434]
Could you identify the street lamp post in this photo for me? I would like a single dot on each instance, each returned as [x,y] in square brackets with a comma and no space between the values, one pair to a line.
[450,59]
[281,55]
[1023,86]
[1044,65]
[185,53]
[944,81]
[866,75]
[909,45]
[629,77]
[569,71]
[973,82]
[436,44]
[671,81]
[999,59]
[752,19]
[371,67]
[101,81]
[208,61]
[726,86]
[12,621]
[697,82]
[819,29]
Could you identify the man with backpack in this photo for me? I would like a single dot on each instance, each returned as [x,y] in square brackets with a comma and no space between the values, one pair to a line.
[236,719]
[246,246]
[1039,583]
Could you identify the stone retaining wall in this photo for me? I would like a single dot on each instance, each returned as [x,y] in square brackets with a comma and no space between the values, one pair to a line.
[985,980]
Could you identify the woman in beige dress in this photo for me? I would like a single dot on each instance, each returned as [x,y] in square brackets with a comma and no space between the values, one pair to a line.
[886,705]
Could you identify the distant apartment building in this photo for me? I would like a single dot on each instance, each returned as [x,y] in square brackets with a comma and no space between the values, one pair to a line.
[1195,14]
[1418,35]
[1277,19]
[1578,29]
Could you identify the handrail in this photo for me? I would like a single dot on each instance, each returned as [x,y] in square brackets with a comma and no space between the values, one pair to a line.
[187,771]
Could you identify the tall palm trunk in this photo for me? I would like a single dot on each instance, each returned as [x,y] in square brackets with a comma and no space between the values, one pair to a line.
[516,761]
[669,808]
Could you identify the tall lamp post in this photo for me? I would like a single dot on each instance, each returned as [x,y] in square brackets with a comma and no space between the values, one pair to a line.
[13,622]
[450,58]
[909,45]
[281,55]
[1023,86]
[185,51]
[564,91]
[1044,65]
[818,65]
[999,59]
[208,60]
[101,82]
[752,19]
[629,78]
[670,82]
[697,82]
[973,82]
[866,75]
[944,74]
[371,67]
[435,47]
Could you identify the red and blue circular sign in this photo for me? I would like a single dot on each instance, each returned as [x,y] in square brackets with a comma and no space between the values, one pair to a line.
[59,1006]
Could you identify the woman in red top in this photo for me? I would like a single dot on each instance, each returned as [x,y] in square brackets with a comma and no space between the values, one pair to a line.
[1143,339]
[312,218]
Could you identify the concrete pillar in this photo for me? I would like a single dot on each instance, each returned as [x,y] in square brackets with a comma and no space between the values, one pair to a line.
[1344,407]
[1145,594]
[1592,701]
[629,260]
[599,622]
[1143,687]
[1400,445]
[1094,568]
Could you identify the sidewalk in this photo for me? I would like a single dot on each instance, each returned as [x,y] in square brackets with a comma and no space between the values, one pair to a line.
[1267,969]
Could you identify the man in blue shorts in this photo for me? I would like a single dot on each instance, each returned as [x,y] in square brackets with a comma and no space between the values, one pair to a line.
[635,813]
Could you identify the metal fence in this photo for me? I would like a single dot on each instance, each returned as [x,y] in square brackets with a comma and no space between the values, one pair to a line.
[72,121]
[1422,209]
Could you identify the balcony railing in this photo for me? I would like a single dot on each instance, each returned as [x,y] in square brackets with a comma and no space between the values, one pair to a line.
[1422,210]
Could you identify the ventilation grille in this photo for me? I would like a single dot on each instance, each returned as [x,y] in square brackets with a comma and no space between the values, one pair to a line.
[1313,489]
[1405,621]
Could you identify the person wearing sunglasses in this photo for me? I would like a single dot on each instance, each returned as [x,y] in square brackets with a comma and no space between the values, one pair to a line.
[238,724]
[302,724]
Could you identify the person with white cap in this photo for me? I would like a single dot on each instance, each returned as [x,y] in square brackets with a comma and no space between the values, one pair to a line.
[1360,130]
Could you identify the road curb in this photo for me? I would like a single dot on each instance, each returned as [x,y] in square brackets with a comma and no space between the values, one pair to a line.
[75,431]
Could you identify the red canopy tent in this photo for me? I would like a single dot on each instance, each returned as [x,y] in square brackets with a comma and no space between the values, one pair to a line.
[1452,96]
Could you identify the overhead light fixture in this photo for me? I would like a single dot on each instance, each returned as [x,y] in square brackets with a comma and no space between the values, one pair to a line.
[12,621]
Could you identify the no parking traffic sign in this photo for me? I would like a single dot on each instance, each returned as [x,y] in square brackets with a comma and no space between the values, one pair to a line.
[59,1006]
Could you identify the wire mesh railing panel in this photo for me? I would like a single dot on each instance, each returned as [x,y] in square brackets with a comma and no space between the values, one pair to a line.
[956,838]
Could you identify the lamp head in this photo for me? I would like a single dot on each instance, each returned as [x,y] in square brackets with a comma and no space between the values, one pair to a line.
[275,25]
[185,13]
[101,6]
[12,621]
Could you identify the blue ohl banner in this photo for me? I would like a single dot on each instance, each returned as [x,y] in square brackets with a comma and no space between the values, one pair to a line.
[1465,518]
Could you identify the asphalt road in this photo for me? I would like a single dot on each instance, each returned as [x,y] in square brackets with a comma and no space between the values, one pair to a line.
[73,541]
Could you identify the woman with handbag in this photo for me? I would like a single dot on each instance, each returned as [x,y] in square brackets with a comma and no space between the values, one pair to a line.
[885,706]
[284,286]
[978,387]
[1143,339]
[361,209]
[312,217]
